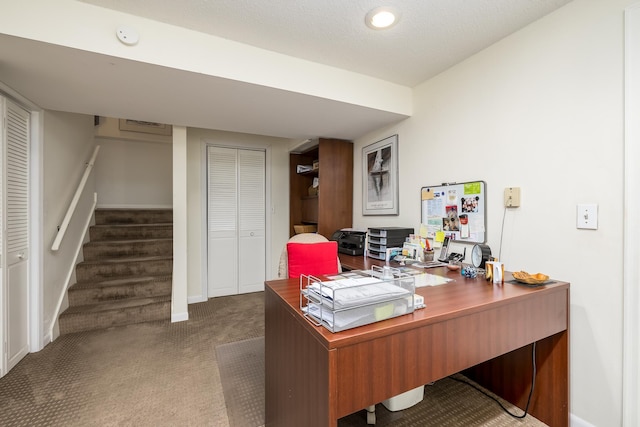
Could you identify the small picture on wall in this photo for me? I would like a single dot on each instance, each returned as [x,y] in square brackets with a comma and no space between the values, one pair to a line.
[380,177]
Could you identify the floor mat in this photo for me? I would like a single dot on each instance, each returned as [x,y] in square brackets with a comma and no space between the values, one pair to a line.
[241,366]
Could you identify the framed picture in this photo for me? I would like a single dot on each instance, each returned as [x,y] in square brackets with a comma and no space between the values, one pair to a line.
[145,127]
[380,177]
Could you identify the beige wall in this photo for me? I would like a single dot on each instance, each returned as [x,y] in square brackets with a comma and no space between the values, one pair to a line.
[277,199]
[542,110]
[134,174]
[67,145]
[133,169]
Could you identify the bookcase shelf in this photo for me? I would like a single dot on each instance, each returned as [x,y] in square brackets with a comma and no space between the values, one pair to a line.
[332,208]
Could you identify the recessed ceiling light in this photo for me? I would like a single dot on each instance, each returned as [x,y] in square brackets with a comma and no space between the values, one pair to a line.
[381,17]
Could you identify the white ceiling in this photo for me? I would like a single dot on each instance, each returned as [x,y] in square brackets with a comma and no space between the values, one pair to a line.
[431,36]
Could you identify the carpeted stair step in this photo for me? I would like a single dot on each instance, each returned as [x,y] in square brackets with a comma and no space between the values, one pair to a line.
[86,293]
[133,216]
[125,277]
[127,248]
[114,313]
[130,232]
[98,270]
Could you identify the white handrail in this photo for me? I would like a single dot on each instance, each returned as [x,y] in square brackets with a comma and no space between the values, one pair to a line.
[74,202]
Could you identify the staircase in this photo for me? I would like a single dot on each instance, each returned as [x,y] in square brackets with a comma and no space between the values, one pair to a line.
[125,277]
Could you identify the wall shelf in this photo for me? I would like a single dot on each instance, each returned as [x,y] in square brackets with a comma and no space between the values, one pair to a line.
[332,208]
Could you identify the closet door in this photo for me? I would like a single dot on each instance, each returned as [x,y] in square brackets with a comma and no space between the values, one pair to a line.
[14,234]
[236,221]
[223,221]
[251,188]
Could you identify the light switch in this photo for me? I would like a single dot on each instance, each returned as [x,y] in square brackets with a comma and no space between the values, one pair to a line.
[587,216]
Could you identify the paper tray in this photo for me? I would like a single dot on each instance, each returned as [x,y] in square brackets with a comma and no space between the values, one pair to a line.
[343,304]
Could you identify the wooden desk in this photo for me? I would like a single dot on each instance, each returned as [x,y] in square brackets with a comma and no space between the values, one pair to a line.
[314,377]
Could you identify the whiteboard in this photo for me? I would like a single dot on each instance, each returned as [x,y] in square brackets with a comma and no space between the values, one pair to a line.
[455,210]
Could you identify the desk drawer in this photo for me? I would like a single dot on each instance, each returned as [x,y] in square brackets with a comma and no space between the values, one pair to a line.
[376,254]
[381,254]
[386,241]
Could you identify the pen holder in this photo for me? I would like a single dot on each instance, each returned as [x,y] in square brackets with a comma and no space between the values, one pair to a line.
[428,255]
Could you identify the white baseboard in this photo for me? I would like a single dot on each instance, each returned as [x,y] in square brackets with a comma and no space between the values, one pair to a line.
[574,421]
[46,340]
[118,206]
[179,317]
[196,299]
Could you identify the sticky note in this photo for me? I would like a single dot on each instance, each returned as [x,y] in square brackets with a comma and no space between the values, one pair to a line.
[384,312]
[427,194]
[440,236]
[472,188]
[423,230]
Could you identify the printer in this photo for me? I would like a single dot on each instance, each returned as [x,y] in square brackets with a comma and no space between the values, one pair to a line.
[350,242]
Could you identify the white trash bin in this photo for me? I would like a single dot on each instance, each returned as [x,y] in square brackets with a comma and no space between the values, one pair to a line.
[405,400]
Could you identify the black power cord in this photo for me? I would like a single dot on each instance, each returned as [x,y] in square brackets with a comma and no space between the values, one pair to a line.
[533,384]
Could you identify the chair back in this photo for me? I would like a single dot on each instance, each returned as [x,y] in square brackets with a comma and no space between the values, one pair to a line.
[309,253]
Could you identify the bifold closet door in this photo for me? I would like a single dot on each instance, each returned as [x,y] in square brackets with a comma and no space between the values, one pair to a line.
[236,221]
[251,206]
[14,236]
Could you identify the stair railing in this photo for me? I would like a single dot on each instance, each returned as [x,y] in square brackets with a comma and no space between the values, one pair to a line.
[74,202]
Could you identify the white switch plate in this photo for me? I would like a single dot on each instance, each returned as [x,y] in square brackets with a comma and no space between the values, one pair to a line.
[587,216]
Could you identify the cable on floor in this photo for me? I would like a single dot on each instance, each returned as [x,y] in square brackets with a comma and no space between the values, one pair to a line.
[533,384]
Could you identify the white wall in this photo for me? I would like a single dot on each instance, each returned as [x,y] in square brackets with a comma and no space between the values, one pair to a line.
[135,174]
[542,110]
[179,288]
[277,197]
[68,145]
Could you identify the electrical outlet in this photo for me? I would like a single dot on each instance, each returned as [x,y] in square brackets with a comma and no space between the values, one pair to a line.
[512,197]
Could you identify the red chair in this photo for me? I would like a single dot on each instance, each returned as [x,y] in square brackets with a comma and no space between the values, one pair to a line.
[309,254]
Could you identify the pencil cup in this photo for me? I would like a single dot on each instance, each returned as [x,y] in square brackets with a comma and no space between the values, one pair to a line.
[428,255]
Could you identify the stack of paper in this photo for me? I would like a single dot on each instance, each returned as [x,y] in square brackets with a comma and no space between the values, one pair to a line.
[344,293]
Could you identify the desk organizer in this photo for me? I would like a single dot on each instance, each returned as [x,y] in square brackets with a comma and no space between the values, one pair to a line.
[386,238]
[343,304]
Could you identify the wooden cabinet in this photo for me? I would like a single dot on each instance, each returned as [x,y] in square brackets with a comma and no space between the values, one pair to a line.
[332,207]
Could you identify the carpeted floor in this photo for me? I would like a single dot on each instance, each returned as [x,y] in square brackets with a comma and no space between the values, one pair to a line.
[152,374]
[166,374]
[448,402]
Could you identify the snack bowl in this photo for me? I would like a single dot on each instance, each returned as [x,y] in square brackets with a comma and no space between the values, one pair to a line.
[531,279]
[453,266]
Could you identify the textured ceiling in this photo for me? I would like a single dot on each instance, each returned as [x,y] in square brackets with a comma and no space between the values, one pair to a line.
[431,36]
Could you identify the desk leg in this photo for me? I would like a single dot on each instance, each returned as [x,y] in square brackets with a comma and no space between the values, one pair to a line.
[509,376]
[296,371]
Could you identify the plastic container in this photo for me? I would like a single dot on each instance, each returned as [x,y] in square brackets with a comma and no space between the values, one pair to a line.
[405,400]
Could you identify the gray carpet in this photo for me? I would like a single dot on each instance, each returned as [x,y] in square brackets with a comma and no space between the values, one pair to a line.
[447,402]
[168,374]
[145,375]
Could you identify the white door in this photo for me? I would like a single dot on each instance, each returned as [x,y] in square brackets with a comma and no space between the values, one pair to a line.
[251,205]
[235,221]
[14,234]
